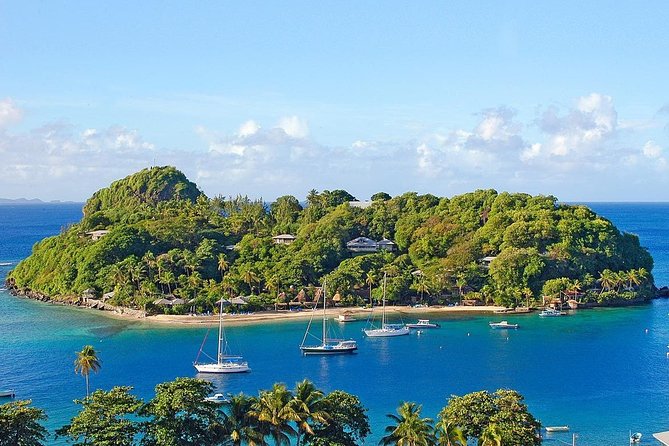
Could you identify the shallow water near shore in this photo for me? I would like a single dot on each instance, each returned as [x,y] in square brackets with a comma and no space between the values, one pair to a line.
[603,372]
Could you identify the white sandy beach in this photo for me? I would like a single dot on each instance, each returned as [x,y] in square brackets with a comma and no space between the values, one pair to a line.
[358,313]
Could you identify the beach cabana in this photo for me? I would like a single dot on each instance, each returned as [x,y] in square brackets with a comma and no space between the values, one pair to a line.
[169,302]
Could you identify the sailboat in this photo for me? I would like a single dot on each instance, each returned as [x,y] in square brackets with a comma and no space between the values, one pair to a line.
[386,330]
[327,346]
[225,363]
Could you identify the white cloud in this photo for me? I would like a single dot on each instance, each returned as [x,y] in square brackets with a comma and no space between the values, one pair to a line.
[9,113]
[248,128]
[294,126]
[490,147]
[561,150]
[582,129]
[652,150]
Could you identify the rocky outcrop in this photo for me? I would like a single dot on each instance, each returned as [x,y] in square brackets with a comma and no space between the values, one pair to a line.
[76,301]
[662,292]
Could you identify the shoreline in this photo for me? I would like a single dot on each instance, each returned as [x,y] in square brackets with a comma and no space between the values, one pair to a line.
[256,318]
[275,316]
[359,313]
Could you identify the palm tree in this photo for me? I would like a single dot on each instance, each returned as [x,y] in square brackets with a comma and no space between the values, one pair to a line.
[87,361]
[250,277]
[307,405]
[223,264]
[449,435]
[461,282]
[167,278]
[117,274]
[422,287]
[409,429]
[370,279]
[274,410]
[642,274]
[606,279]
[239,428]
[527,294]
[491,436]
[191,262]
[149,259]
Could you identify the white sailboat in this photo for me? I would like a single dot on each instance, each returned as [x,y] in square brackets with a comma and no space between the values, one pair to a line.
[225,363]
[386,330]
[327,346]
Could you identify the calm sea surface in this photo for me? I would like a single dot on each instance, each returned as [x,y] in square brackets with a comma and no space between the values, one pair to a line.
[602,372]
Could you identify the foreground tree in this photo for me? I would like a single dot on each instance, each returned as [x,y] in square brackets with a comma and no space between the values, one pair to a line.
[274,410]
[449,434]
[106,419]
[20,424]
[475,412]
[348,424]
[87,361]
[239,428]
[307,404]
[491,436]
[409,429]
[180,416]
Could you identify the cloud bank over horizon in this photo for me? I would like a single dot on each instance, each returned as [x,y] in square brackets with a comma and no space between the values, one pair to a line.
[558,150]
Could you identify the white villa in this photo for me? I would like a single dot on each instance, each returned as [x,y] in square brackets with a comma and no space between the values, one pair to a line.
[360,204]
[284,239]
[364,244]
[486,261]
[97,235]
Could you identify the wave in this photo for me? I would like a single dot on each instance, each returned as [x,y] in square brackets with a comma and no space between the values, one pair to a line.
[5,263]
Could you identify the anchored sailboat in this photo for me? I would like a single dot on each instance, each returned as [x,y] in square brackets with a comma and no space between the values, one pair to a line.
[225,363]
[326,346]
[386,330]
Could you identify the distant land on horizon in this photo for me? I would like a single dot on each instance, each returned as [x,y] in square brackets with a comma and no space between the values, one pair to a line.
[34,201]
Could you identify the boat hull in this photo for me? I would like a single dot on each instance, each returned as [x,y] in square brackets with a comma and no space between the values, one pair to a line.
[503,326]
[225,367]
[7,393]
[320,350]
[386,332]
[420,326]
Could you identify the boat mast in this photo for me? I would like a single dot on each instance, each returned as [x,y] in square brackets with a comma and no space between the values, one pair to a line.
[324,315]
[383,313]
[220,332]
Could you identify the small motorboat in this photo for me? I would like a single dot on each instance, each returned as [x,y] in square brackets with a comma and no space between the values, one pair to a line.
[346,316]
[635,437]
[557,428]
[503,325]
[7,393]
[423,323]
[551,312]
[216,398]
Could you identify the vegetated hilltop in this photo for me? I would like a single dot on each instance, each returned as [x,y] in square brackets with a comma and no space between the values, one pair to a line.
[167,238]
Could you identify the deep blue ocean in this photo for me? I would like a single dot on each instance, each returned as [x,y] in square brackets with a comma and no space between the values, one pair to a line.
[602,372]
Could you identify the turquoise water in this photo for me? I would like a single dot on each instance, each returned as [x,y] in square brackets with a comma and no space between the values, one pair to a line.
[602,372]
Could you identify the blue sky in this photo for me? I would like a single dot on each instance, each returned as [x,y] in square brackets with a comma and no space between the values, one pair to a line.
[271,98]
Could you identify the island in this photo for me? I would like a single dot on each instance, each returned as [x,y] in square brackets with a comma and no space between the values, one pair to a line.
[153,243]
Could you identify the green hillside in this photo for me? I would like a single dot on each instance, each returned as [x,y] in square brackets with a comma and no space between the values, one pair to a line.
[166,237]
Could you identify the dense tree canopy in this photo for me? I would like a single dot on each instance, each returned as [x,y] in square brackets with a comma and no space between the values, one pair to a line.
[480,414]
[20,424]
[167,238]
[179,414]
